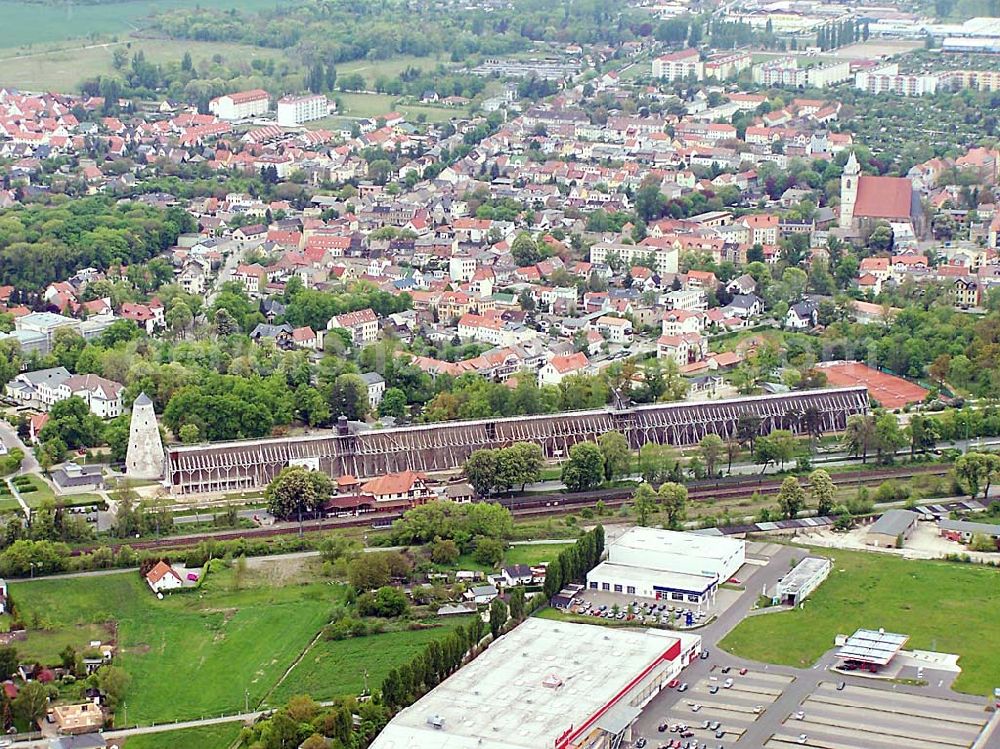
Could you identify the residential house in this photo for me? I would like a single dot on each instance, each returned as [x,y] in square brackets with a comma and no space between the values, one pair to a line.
[745,306]
[376,388]
[481,595]
[517,574]
[362,325]
[684,349]
[163,577]
[559,367]
[802,315]
[616,329]
[408,486]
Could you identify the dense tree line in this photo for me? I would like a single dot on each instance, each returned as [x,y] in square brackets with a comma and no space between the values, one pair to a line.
[44,243]
[461,523]
[345,30]
[574,563]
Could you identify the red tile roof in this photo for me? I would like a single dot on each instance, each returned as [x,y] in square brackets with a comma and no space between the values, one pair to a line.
[884,197]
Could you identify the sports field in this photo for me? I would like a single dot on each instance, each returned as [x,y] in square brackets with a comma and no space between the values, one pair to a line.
[943,606]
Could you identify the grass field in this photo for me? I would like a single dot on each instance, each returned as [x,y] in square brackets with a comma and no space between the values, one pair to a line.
[336,668]
[210,737]
[354,105]
[63,68]
[191,654]
[943,606]
[533,553]
[38,23]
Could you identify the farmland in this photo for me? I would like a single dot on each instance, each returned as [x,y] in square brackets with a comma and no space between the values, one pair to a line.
[38,23]
[937,603]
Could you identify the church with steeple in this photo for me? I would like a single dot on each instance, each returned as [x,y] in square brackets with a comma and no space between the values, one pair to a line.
[865,200]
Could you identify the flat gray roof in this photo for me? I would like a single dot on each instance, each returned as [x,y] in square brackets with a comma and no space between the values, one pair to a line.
[967,526]
[804,572]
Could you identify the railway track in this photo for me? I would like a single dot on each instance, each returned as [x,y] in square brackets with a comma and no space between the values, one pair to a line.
[535,505]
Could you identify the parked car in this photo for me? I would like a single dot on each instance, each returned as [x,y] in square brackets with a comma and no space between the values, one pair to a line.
[802,738]
[683,687]
[727,684]
[704,655]
[743,671]
[800,715]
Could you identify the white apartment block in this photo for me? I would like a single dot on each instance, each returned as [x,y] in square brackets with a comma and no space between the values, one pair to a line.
[785,71]
[679,65]
[240,105]
[664,259]
[294,110]
[887,79]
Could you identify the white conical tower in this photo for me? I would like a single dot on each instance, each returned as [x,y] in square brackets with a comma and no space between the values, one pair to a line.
[145,449]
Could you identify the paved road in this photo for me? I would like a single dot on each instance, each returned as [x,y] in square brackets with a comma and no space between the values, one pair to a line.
[8,435]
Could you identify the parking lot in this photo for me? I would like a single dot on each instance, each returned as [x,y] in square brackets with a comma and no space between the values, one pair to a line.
[715,708]
[636,611]
[860,717]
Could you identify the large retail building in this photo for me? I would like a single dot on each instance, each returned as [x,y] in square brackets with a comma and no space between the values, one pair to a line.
[655,563]
[545,684]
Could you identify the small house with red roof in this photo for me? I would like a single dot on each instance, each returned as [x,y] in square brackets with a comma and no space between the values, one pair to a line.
[163,577]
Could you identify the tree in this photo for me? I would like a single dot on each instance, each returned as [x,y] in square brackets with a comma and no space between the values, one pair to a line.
[386,602]
[8,662]
[179,318]
[859,436]
[489,551]
[113,681]
[673,497]
[189,434]
[393,403]
[822,490]
[922,433]
[791,497]
[297,491]
[644,501]
[525,250]
[518,605]
[31,702]
[498,616]
[481,471]
[553,578]
[72,422]
[711,449]
[765,452]
[973,470]
[585,468]
[616,453]
[888,437]
[348,396]
[444,551]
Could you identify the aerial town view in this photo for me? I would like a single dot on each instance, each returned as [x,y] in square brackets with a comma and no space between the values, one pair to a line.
[499,374]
